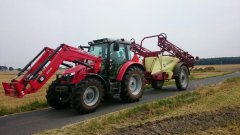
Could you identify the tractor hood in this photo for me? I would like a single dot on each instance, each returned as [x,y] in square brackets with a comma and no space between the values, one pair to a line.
[73,70]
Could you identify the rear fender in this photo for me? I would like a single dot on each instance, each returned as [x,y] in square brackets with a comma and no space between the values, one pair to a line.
[125,67]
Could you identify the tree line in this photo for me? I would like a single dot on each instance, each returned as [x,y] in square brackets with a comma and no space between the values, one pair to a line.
[218,61]
[203,61]
[5,68]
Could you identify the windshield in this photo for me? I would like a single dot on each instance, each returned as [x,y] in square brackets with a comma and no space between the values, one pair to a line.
[99,50]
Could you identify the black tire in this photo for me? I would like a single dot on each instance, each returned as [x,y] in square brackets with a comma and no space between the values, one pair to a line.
[128,94]
[57,100]
[156,84]
[182,78]
[87,95]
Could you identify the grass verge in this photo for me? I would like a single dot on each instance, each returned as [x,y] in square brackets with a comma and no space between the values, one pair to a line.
[35,105]
[205,99]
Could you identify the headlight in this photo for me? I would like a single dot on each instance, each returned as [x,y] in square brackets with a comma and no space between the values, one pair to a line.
[68,77]
[71,74]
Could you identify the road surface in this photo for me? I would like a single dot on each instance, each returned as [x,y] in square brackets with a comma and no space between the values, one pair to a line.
[37,121]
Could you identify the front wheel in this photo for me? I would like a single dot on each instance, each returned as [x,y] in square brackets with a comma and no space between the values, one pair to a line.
[57,99]
[182,78]
[87,95]
[132,85]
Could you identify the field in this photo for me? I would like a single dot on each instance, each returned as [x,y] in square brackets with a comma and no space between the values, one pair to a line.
[10,105]
[209,110]
[37,100]
[219,70]
[226,68]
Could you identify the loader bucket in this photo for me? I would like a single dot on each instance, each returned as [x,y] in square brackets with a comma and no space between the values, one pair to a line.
[13,89]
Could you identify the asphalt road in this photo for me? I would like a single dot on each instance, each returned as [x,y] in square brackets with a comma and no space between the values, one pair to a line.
[37,121]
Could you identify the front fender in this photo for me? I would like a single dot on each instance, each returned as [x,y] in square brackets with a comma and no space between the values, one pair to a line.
[125,67]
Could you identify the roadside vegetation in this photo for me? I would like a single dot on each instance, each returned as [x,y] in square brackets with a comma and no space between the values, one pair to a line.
[10,105]
[212,109]
[200,72]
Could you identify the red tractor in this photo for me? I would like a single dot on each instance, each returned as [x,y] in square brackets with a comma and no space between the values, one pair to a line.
[109,67]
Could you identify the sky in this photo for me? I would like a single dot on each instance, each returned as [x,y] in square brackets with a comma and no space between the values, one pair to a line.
[204,28]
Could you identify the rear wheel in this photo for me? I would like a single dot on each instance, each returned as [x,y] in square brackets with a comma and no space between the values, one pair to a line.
[156,84]
[132,85]
[182,78]
[87,95]
[57,99]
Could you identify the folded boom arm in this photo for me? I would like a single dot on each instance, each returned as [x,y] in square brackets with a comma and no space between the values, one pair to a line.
[165,46]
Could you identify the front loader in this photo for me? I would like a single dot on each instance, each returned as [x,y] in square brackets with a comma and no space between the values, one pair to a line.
[109,67]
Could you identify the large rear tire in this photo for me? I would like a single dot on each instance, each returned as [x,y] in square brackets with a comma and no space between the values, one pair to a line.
[87,95]
[182,78]
[56,99]
[156,84]
[132,85]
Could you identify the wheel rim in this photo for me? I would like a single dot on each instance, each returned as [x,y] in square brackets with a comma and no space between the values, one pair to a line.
[135,84]
[184,78]
[91,95]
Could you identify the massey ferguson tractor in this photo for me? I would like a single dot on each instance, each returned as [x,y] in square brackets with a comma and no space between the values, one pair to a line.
[109,67]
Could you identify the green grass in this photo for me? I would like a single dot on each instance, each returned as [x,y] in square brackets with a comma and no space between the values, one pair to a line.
[168,102]
[144,112]
[28,107]
[208,98]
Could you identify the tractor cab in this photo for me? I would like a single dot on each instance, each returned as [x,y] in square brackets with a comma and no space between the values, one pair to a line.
[114,54]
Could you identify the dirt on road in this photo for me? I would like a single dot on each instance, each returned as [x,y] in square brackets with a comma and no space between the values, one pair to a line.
[197,123]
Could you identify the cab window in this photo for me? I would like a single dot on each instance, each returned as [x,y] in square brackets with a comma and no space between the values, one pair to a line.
[118,57]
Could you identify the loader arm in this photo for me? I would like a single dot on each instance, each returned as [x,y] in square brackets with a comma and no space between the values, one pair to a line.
[47,62]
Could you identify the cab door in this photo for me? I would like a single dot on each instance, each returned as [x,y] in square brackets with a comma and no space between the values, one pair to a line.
[117,59]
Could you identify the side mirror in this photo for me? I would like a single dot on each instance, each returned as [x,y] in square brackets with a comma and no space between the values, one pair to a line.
[115,47]
[81,47]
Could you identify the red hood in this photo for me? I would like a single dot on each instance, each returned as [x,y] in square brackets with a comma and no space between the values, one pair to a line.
[74,69]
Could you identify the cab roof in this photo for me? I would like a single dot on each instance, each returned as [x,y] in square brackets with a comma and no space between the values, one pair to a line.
[108,40]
